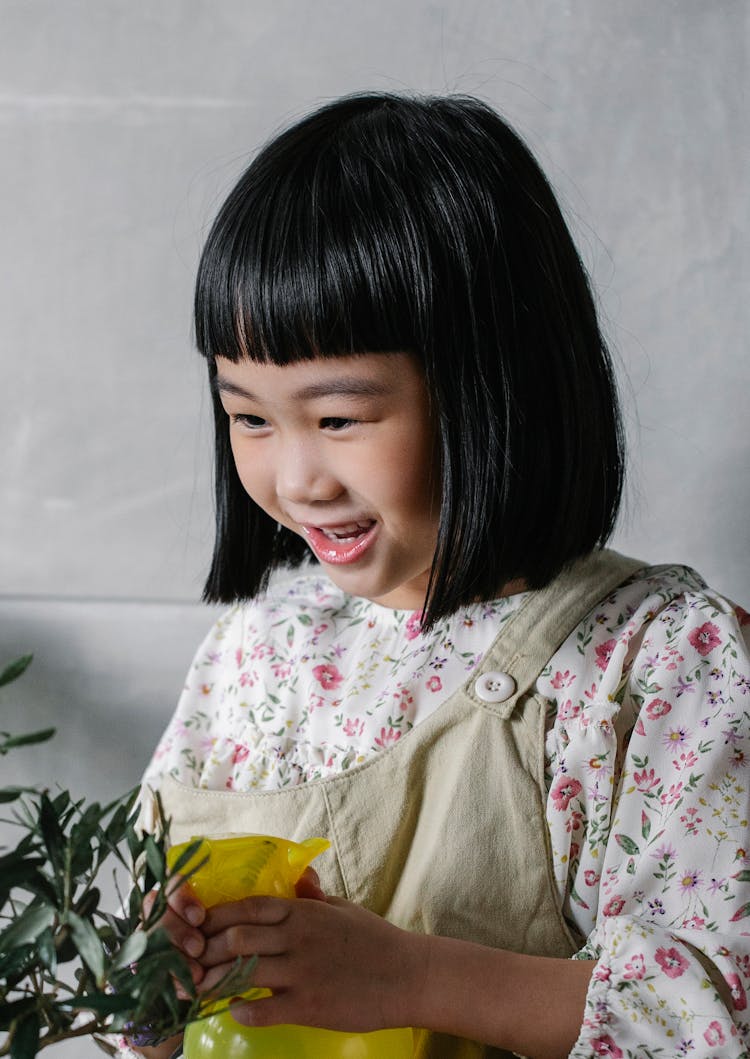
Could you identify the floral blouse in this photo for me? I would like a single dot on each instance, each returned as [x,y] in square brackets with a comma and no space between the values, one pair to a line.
[647,769]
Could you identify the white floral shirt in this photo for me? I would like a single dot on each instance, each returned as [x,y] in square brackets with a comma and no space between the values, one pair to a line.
[647,754]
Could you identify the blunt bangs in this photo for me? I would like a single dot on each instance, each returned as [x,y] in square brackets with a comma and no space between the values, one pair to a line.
[383,223]
[319,250]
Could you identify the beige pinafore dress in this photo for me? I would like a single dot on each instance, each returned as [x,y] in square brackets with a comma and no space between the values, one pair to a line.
[444,832]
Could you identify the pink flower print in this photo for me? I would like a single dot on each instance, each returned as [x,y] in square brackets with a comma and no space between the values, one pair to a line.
[353,727]
[694,923]
[602,973]
[714,1034]
[229,784]
[705,638]
[604,1045]
[742,615]
[562,680]
[241,753]
[320,628]
[691,820]
[639,729]
[604,653]
[636,968]
[387,737]
[327,676]
[574,821]
[591,877]
[672,795]
[646,780]
[658,708]
[247,680]
[614,906]
[413,626]
[563,789]
[568,710]
[281,670]
[672,962]
[434,684]
[685,761]
[739,996]
[238,655]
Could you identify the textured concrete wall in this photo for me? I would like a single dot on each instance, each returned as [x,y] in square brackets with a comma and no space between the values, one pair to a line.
[122,122]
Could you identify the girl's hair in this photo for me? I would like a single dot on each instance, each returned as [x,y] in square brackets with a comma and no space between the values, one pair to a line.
[383,223]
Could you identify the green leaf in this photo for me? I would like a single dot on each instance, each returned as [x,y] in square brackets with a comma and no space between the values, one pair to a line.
[9,794]
[15,669]
[81,835]
[102,1003]
[15,741]
[132,949]
[304,619]
[187,855]
[741,913]
[645,825]
[15,963]
[742,876]
[47,951]
[627,843]
[31,922]
[24,1039]
[88,943]
[52,833]
[155,859]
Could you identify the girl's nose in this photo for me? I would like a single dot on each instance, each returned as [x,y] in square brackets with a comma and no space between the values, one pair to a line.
[302,476]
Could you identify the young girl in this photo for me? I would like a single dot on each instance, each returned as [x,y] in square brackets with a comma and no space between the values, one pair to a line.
[523,747]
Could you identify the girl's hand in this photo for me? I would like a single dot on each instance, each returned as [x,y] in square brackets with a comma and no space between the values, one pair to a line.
[182,921]
[329,962]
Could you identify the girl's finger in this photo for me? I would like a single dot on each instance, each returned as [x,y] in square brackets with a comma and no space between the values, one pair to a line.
[184,903]
[268,972]
[242,939]
[309,886]
[257,911]
[177,925]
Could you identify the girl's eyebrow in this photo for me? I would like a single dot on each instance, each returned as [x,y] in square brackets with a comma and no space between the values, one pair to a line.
[345,386]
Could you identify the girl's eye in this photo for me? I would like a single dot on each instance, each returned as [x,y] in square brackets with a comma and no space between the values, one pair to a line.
[336,423]
[248,421]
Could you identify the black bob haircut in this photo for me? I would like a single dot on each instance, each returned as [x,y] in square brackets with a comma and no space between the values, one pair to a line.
[386,223]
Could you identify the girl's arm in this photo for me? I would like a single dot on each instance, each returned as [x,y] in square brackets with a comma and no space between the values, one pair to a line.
[334,964]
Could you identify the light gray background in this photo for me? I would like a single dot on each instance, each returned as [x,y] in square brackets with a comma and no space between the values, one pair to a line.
[121,126]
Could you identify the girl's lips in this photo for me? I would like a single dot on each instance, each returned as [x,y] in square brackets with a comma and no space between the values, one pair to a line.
[347,549]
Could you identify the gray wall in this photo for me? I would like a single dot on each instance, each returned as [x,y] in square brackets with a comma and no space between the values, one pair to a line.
[122,124]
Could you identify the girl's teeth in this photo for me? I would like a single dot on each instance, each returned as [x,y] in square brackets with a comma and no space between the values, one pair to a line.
[348,532]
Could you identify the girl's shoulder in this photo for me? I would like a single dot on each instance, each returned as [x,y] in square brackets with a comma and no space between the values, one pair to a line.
[663,631]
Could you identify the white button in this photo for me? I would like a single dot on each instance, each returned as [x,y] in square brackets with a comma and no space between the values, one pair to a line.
[494,687]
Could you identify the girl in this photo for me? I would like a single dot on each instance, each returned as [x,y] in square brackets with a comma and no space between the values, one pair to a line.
[523,747]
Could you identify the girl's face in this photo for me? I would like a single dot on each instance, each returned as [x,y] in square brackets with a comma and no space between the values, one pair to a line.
[343,452]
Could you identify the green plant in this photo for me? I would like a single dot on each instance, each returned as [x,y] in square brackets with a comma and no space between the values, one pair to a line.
[68,968]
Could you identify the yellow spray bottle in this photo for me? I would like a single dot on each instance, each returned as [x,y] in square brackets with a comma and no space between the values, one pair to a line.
[241,866]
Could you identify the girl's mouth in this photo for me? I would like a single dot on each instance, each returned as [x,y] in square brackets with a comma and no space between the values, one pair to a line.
[341,544]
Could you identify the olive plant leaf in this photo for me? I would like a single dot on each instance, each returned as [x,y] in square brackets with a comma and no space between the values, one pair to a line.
[88,943]
[31,922]
[14,670]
